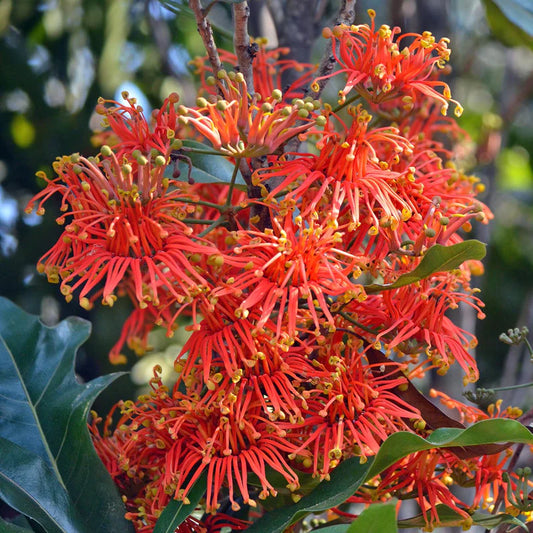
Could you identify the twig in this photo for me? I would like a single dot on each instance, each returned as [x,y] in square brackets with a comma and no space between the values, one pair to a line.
[206,32]
[241,43]
[346,16]
[259,210]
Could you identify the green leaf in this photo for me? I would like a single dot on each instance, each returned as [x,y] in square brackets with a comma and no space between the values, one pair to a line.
[345,480]
[337,528]
[206,168]
[377,517]
[29,485]
[437,259]
[511,21]
[9,527]
[177,511]
[404,443]
[44,414]
[448,517]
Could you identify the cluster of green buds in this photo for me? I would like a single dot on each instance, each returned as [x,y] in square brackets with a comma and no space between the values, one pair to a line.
[515,336]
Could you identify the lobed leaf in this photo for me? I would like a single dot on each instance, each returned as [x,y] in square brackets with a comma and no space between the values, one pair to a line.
[437,259]
[44,414]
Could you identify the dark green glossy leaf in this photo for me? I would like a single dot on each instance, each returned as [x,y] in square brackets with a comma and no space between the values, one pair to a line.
[29,485]
[450,518]
[511,21]
[489,431]
[44,412]
[377,517]
[206,168]
[10,527]
[177,511]
[437,259]
[345,480]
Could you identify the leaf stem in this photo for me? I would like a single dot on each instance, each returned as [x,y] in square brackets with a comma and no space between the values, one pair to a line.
[198,221]
[355,323]
[232,182]
[529,348]
[512,387]
[200,151]
[215,224]
[346,103]
[218,207]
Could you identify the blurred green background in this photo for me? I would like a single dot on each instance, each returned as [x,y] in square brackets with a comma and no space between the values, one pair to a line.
[58,56]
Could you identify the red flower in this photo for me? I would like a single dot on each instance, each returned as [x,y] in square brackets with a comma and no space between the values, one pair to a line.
[240,126]
[351,411]
[131,131]
[169,440]
[268,70]
[472,414]
[379,69]
[352,160]
[229,351]
[427,476]
[289,271]
[123,221]
[412,321]
[228,446]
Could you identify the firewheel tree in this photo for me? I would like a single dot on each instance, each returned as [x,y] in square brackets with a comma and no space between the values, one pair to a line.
[313,251]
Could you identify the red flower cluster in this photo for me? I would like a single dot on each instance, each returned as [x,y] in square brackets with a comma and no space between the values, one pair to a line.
[276,380]
[381,68]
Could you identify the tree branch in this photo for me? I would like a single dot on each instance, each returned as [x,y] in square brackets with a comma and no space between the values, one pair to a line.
[206,32]
[346,16]
[241,43]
